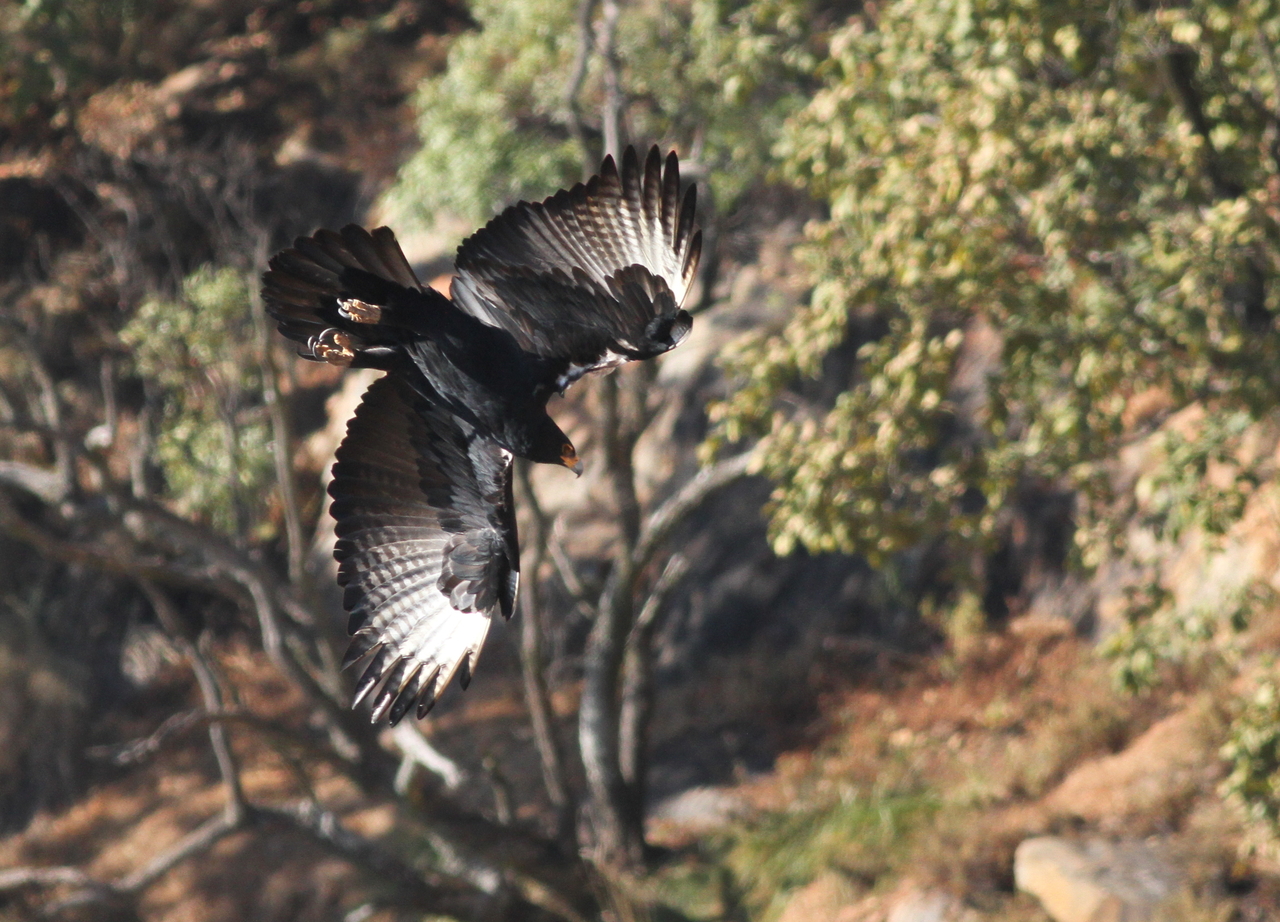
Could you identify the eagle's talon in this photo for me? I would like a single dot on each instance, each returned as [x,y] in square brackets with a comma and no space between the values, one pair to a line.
[358,311]
[333,346]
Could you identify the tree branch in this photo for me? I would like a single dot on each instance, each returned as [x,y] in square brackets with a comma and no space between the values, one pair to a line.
[663,521]
[532,664]
[581,57]
[23,878]
[636,706]
[417,750]
[128,561]
[40,482]
[138,751]
[51,408]
[194,843]
[210,691]
[425,892]
[280,435]
[599,715]
[325,829]
[606,47]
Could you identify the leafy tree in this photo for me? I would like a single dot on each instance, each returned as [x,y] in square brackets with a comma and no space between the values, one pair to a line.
[213,440]
[1086,190]
[517,112]
[1253,754]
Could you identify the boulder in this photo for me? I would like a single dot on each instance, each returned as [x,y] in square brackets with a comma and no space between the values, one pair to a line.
[701,809]
[926,906]
[1096,880]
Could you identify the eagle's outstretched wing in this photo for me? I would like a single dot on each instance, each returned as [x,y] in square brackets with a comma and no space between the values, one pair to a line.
[595,274]
[426,543]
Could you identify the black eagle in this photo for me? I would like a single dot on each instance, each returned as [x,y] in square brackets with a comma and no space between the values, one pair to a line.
[545,293]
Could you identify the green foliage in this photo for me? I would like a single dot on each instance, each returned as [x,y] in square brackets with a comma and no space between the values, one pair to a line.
[1180,494]
[887,479]
[863,834]
[1197,487]
[718,77]
[485,123]
[1253,754]
[199,352]
[1158,633]
[1088,186]
[752,868]
[962,622]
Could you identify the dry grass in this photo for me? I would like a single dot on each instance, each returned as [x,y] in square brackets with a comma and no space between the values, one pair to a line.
[935,773]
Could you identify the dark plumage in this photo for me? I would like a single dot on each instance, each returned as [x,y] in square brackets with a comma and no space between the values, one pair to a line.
[544,294]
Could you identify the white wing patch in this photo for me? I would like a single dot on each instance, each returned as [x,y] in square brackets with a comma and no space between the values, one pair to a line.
[410,488]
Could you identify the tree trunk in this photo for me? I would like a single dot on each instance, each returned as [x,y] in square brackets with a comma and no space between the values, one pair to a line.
[615,823]
[636,705]
[536,696]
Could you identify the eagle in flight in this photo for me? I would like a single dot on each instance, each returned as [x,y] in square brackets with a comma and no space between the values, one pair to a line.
[545,293]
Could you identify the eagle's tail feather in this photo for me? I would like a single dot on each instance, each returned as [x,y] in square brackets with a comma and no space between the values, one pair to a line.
[342,295]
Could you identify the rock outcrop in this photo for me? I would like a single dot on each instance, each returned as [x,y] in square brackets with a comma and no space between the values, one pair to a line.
[1095,880]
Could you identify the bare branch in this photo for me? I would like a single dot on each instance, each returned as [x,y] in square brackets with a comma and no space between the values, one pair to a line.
[599,714]
[537,862]
[22,878]
[417,750]
[606,47]
[139,750]
[323,826]
[48,485]
[535,858]
[617,827]
[648,621]
[461,897]
[636,706]
[662,522]
[51,409]
[564,566]
[152,520]
[109,557]
[203,838]
[176,726]
[619,441]
[280,438]
[581,57]
[144,520]
[441,895]
[210,691]
[532,665]
[194,843]
[436,893]
[501,788]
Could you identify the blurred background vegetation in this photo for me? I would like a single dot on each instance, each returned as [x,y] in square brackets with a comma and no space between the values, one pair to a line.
[989,297]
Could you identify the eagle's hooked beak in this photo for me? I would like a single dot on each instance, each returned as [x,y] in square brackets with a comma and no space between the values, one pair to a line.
[569,458]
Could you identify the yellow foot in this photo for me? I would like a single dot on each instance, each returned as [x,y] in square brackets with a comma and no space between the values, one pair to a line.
[333,346]
[359,311]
